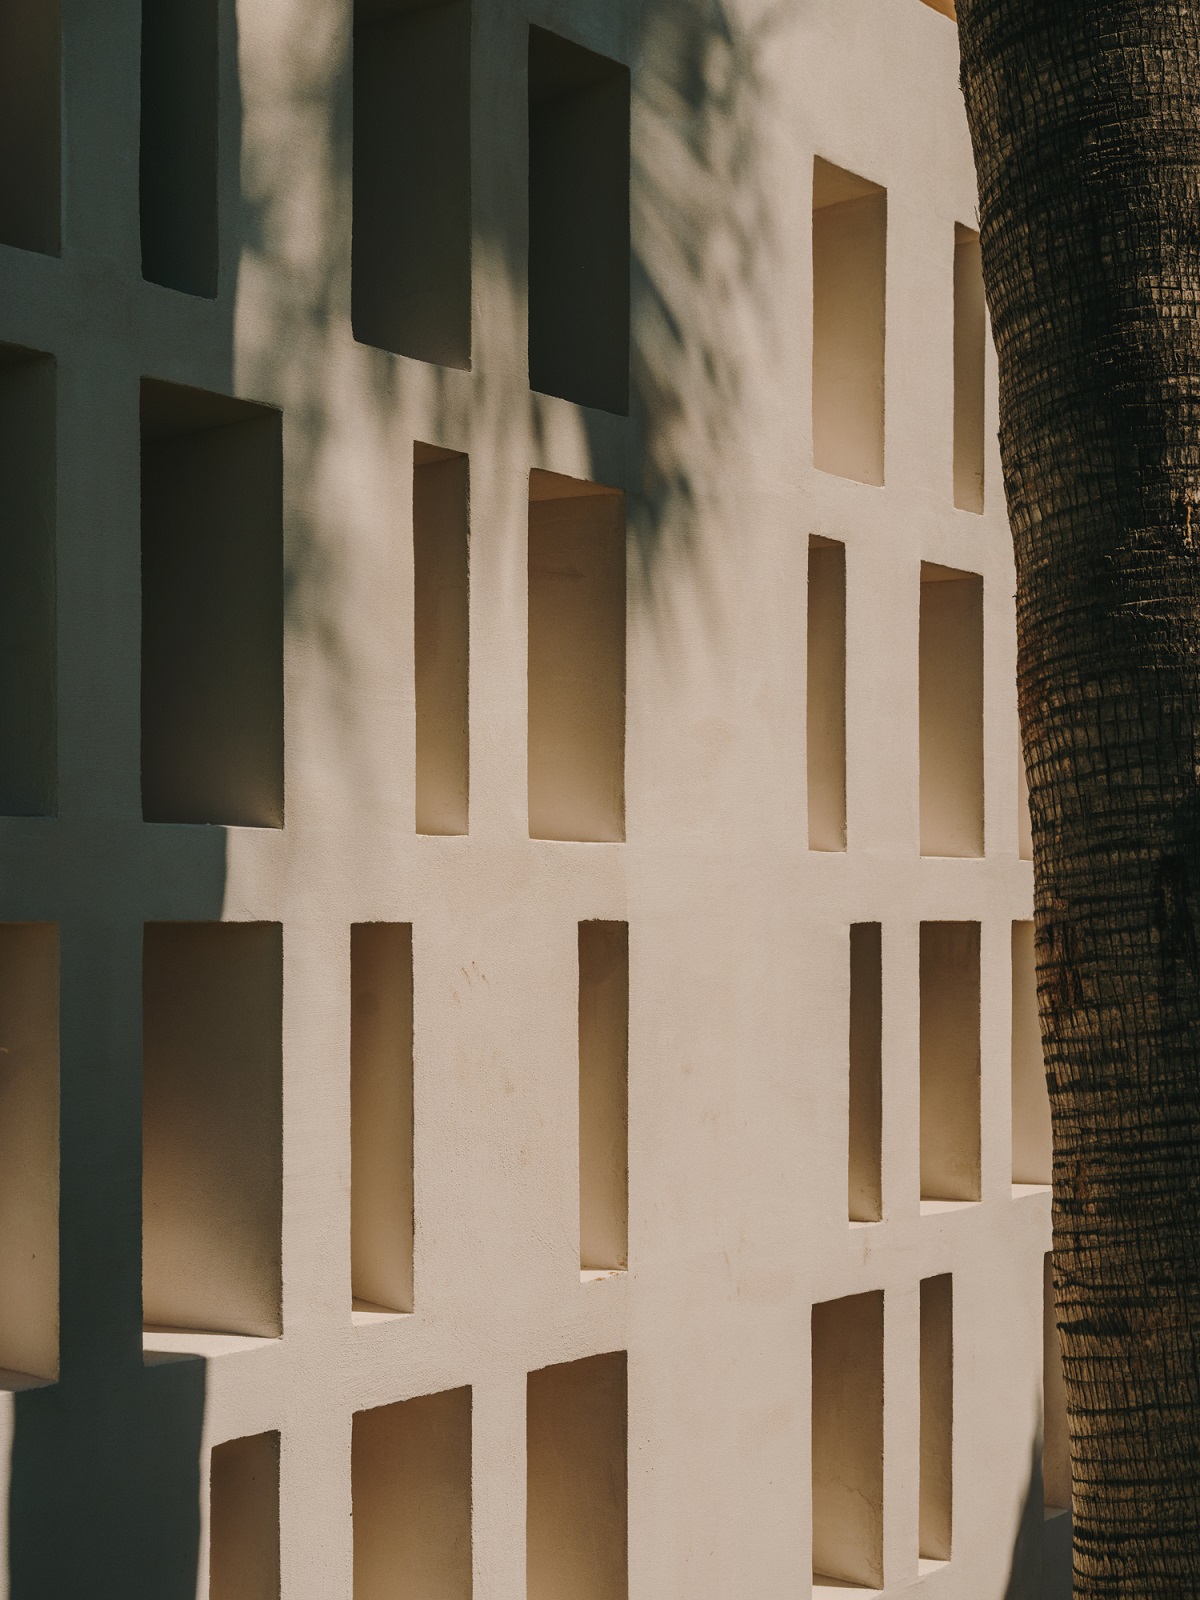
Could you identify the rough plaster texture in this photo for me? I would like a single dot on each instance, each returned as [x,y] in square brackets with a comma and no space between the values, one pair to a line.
[738,934]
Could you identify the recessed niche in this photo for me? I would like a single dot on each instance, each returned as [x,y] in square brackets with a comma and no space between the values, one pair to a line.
[441,633]
[826,694]
[937,1417]
[28,693]
[212,609]
[849,290]
[29,1149]
[576,659]
[576,1492]
[1056,1438]
[951,712]
[1032,1152]
[1024,821]
[949,1061]
[970,336]
[411,247]
[866,1073]
[578,224]
[243,1519]
[946,7]
[411,1487]
[212,1147]
[30,124]
[847,1440]
[178,151]
[381,1116]
[603,1096]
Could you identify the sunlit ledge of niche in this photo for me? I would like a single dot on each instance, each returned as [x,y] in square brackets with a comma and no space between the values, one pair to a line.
[160,1345]
[935,1208]
[598,1274]
[365,1315]
[1021,1191]
[823,1585]
[927,1566]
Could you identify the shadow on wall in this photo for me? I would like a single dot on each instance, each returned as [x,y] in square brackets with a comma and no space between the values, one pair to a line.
[1041,1559]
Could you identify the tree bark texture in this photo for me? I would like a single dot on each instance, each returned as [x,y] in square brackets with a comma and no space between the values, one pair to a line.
[1085,120]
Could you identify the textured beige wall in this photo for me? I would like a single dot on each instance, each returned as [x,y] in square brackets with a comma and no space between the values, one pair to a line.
[738,934]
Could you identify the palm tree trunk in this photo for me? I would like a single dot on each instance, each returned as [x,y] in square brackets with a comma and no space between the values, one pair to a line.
[1085,120]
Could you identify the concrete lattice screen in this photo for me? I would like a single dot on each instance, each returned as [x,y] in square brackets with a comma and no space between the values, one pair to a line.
[514,865]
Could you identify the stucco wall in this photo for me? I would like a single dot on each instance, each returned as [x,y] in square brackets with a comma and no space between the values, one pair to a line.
[628,798]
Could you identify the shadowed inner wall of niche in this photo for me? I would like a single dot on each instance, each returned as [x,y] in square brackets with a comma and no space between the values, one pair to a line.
[29,1100]
[381,1115]
[849,243]
[866,1073]
[28,671]
[576,659]
[178,147]
[950,1063]
[847,1439]
[441,637]
[575,1507]
[30,123]
[951,712]
[1032,1141]
[243,1527]
[578,224]
[212,609]
[826,725]
[937,1417]
[212,1146]
[603,1096]
[411,1486]
[970,336]
[411,247]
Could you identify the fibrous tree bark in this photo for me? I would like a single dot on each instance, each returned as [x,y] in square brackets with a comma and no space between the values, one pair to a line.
[1085,121]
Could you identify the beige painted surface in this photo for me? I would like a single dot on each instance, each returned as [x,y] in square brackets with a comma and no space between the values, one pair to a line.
[670,768]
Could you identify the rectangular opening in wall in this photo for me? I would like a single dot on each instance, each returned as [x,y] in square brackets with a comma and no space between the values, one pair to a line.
[847,1440]
[29,1148]
[441,534]
[212,609]
[866,1072]
[576,1494]
[178,161]
[578,224]
[1056,1438]
[849,290]
[576,659]
[937,1416]
[826,694]
[381,1116]
[28,674]
[949,1030]
[411,248]
[30,123]
[1024,821]
[970,336]
[212,1146]
[411,1487]
[1031,1140]
[243,1519]
[951,712]
[946,7]
[603,1096]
